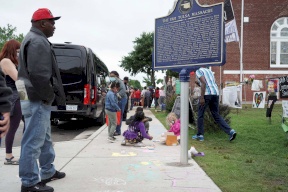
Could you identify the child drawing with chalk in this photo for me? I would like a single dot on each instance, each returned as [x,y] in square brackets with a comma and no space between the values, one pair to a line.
[174,123]
[136,131]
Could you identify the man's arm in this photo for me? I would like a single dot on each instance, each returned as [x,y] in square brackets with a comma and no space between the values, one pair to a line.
[129,121]
[5,93]
[5,105]
[4,124]
[203,88]
[147,119]
[122,90]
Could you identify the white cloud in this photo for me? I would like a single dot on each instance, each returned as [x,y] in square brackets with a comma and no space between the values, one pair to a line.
[108,27]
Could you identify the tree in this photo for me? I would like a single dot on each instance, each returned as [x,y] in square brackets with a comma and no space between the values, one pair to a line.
[159,81]
[147,81]
[140,59]
[8,33]
[170,73]
[135,83]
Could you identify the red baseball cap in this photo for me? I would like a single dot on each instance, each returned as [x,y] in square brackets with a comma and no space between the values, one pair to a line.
[43,13]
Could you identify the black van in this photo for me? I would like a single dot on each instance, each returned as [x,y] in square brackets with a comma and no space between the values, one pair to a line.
[83,76]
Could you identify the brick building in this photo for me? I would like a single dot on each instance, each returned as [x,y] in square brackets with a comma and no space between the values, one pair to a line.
[265,43]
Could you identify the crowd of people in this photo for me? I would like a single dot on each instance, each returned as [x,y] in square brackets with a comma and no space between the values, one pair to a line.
[205,94]
[121,98]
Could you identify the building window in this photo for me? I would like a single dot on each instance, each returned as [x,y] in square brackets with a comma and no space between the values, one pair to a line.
[279,43]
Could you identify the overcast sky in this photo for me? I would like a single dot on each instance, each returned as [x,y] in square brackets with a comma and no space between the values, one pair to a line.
[108,27]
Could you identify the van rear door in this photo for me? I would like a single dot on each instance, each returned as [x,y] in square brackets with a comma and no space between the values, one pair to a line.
[71,65]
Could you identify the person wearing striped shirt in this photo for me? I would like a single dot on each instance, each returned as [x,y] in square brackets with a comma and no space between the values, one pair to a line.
[210,97]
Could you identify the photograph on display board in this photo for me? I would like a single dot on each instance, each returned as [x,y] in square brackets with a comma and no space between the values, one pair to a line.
[259,99]
[273,87]
[232,96]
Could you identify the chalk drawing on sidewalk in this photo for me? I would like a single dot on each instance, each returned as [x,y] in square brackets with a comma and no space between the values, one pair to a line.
[178,175]
[110,191]
[143,170]
[110,181]
[145,163]
[148,148]
[124,154]
[148,151]
[180,179]
[156,163]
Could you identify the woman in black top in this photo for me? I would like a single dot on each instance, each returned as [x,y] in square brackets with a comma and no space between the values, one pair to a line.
[8,64]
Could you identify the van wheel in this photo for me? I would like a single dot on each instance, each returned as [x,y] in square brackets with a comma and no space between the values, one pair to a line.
[102,118]
[55,121]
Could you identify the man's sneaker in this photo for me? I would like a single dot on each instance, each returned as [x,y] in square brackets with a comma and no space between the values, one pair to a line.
[116,134]
[232,135]
[57,175]
[198,137]
[123,142]
[39,187]
[111,139]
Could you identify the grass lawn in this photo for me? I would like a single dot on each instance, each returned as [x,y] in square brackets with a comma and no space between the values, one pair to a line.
[257,160]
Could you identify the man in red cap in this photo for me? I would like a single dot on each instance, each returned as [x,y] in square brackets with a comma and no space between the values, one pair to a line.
[39,71]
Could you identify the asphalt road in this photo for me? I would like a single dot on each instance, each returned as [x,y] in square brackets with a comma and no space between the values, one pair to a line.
[65,131]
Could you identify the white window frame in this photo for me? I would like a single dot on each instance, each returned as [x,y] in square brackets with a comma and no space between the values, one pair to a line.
[278,39]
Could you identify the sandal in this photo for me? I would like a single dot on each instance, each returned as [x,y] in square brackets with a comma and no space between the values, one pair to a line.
[11,161]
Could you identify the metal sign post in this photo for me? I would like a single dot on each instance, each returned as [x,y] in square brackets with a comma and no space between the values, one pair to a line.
[184,117]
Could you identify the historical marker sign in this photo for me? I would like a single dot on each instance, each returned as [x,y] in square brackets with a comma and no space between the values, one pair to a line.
[190,37]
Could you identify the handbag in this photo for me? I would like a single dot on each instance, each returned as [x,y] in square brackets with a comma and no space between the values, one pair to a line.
[153,103]
[118,118]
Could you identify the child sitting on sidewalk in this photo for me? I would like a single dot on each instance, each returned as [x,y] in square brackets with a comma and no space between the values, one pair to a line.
[145,120]
[174,123]
[136,131]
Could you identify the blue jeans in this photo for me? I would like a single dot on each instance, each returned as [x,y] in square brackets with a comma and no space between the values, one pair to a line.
[146,102]
[36,144]
[213,102]
[132,103]
[121,104]
[161,102]
[156,102]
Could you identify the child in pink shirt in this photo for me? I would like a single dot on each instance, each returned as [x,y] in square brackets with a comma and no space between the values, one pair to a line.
[174,123]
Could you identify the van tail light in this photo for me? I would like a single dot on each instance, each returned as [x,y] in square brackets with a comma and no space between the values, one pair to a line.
[93,95]
[87,94]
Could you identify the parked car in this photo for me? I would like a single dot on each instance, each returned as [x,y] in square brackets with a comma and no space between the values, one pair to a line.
[83,76]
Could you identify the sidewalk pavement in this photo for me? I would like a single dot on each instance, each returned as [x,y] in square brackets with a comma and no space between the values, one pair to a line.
[96,165]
